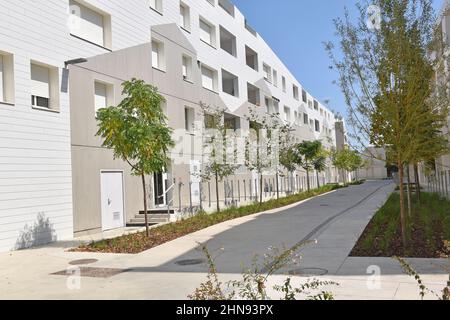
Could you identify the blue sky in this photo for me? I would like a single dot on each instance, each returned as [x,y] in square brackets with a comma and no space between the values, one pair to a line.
[296,29]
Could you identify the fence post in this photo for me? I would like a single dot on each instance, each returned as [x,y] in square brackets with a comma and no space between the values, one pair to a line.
[239,190]
[190,197]
[224,193]
[256,190]
[179,195]
[209,193]
[250,188]
[200,188]
[232,192]
[245,191]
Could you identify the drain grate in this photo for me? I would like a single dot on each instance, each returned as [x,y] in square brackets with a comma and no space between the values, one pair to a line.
[190,262]
[91,272]
[308,272]
[82,261]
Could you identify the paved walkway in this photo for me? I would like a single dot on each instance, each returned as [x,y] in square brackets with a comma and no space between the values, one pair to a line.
[336,220]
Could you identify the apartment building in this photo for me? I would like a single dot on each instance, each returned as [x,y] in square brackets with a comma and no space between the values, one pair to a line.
[61,60]
[443,163]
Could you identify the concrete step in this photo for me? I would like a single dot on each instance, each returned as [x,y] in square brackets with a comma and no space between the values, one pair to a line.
[153,216]
[150,220]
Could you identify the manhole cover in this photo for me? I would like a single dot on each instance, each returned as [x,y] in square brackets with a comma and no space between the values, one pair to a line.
[308,272]
[91,272]
[190,262]
[82,261]
[324,205]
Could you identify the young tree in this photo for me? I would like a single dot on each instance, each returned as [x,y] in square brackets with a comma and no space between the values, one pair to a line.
[263,143]
[384,75]
[319,164]
[306,152]
[137,132]
[216,139]
[347,160]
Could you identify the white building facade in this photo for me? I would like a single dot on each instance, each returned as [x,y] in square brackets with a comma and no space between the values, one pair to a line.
[38,37]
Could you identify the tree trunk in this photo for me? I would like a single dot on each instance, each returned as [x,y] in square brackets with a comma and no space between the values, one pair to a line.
[260,188]
[307,180]
[144,188]
[402,203]
[217,192]
[416,178]
[408,188]
[318,182]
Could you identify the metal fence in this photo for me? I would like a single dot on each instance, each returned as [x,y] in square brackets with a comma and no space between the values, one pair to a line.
[439,183]
[192,197]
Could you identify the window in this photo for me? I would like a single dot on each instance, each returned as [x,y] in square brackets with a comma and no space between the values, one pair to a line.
[210,121]
[207,32]
[250,29]
[275,78]
[317,125]
[295,92]
[212,2]
[227,41]
[287,114]
[310,104]
[305,118]
[253,94]
[268,104]
[104,95]
[185,16]
[283,80]
[321,111]
[296,118]
[304,96]
[316,105]
[230,83]
[6,78]
[156,5]
[227,6]
[187,68]
[44,86]
[189,119]
[231,122]
[276,105]
[267,70]
[209,78]
[251,58]
[158,60]
[90,24]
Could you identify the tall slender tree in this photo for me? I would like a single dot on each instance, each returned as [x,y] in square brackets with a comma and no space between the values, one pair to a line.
[306,153]
[384,75]
[137,131]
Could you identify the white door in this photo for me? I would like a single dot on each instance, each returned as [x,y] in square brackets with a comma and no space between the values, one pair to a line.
[112,200]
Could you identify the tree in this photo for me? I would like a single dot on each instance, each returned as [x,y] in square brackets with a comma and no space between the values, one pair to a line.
[347,160]
[137,132]
[263,143]
[216,139]
[384,73]
[319,164]
[306,152]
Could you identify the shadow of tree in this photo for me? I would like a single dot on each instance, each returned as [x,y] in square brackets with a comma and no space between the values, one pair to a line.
[42,232]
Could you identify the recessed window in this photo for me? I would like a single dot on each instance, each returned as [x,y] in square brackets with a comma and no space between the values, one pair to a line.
[189,119]
[156,5]
[6,78]
[207,32]
[268,104]
[44,86]
[158,56]
[316,105]
[185,16]
[209,78]
[304,96]
[275,78]
[283,80]
[310,104]
[104,95]
[296,118]
[90,24]
[187,68]
[305,118]
[227,6]
[276,105]
[227,41]
[232,122]
[251,58]
[230,83]
[253,94]
[267,70]
[287,114]
[317,125]
[295,92]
